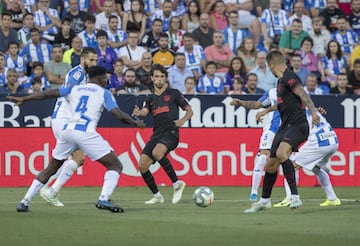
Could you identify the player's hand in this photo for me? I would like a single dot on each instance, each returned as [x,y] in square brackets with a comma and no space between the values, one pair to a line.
[235,102]
[136,112]
[260,115]
[17,100]
[315,118]
[322,110]
[140,123]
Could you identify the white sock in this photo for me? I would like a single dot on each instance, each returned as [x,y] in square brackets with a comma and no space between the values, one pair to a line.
[260,163]
[264,200]
[67,171]
[176,185]
[111,179]
[326,185]
[53,177]
[158,194]
[34,188]
[287,187]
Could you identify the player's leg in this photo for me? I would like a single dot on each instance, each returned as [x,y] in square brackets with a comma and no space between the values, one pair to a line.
[326,185]
[257,174]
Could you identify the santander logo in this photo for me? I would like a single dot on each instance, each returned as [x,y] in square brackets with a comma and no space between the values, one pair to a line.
[130,159]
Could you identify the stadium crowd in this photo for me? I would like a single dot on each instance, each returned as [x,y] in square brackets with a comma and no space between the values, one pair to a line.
[208,46]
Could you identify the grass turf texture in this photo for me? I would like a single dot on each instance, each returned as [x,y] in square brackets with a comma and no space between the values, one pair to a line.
[224,223]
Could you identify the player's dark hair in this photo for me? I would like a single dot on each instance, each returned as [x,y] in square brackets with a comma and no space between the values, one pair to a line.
[158,67]
[96,71]
[87,50]
[275,57]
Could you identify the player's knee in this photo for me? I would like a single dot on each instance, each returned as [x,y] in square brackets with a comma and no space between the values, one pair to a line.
[157,156]
[282,156]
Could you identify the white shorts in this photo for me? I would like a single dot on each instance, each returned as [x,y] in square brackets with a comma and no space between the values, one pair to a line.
[57,126]
[311,155]
[91,143]
[266,139]
[246,20]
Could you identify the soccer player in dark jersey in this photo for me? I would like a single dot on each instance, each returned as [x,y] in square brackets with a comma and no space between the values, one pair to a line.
[294,130]
[164,107]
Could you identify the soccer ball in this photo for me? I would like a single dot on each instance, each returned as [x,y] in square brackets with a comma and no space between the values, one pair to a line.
[203,196]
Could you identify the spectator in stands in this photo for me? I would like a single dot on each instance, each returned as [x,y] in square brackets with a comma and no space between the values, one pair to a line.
[316,7]
[311,85]
[190,86]
[130,86]
[163,55]
[17,11]
[180,7]
[135,19]
[165,13]
[7,34]
[191,19]
[13,86]
[203,35]
[266,79]
[42,50]
[246,19]
[308,58]
[218,18]
[97,6]
[274,21]
[330,14]
[179,72]
[346,38]
[24,32]
[205,5]
[76,16]
[233,34]
[38,71]
[320,36]
[175,34]
[102,18]
[219,53]
[237,85]
[247,51]
[260,6]
[72,56]
[354,77]
[251,85]
[354,17]
[116,79]
[131,53]
[333,63]
[116,37]
[342,86]
[194,55]
[56,69]
[150,39]
[88,36]
[35,86]
[15,61]
[3,70]
[210,83]
[299,14]
[143,72]
[300,70]
[291,40]
[47,20]
[237,69]
[30,5]
[82,6]
[106,55]
[65,36]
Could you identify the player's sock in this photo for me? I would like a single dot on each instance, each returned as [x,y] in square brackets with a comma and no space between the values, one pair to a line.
[34,188]
[257,173]
[326,185]
[289,174]
[286,185]
[150,181]
[269,181]
[111,179]
[169,169]
[67,171]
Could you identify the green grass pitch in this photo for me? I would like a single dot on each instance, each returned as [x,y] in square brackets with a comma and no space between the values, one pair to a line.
[224,223]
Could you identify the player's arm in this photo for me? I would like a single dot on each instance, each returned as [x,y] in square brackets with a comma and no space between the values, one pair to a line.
[140,112]
[305,98]
[260,114]
[246,104]
[186,117]
[124,117]
[36,96]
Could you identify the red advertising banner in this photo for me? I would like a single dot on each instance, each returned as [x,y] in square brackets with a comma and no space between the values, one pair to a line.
[205,156]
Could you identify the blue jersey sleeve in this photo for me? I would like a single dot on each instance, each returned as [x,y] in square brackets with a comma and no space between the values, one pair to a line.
[265,99]
[109,101]
[65,91]
[75,77]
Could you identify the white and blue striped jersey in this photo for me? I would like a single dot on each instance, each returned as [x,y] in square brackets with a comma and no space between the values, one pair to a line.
[275,24]
[271,120]
[86,103]
[41,52]
[347,41]
[43,20]
[234,39]
[18,64]
[321,134]
[193,59]
[75,76]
